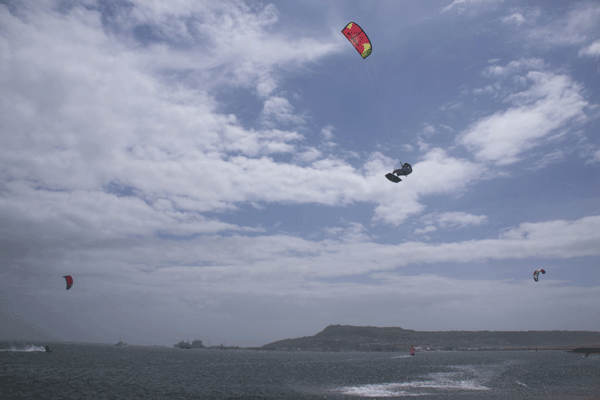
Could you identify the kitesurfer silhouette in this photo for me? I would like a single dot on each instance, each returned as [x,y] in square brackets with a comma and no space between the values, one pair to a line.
[404,171]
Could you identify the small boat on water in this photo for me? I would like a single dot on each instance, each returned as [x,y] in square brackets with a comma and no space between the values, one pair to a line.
[48,349]
[412,350]
[121,342]
[183,345]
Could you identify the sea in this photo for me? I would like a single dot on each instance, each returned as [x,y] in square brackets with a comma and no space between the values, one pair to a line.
[99,371]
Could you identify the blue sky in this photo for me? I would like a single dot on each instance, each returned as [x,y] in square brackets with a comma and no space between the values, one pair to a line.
[215,169]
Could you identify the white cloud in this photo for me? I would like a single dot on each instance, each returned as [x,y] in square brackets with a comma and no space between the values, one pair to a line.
[521,18]
[309,155]
[515,18]
[278,110]
[353,232]
[454,219]
[278,264]
[92,114]
[593,50]
[486,90]
[515,67]
[550,158]
[428,130]
[449,220]
[544,240]
[593,155]
[422,144]
[551,103]
[436,173]
[222,42]
[99,116]
[426,230]
[439,172]
[580,24]
[327,132]
[244,260]
[462,5]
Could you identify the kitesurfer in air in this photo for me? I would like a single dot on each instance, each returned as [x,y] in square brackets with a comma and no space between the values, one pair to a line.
[405,170]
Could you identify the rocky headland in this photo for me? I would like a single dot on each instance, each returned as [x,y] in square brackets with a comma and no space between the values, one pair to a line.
[371,338]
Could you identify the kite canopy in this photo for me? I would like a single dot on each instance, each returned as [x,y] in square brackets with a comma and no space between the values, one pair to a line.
[358,38]
[536,274]
[69,280]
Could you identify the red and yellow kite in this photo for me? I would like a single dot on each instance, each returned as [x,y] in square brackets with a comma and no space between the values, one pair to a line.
[358,38]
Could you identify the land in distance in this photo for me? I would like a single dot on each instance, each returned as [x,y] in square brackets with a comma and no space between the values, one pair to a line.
[371,338]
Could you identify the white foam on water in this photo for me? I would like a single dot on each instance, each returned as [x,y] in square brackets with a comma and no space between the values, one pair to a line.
[27,349]
[521,383]
[436,382]
[379,390]
[445,381]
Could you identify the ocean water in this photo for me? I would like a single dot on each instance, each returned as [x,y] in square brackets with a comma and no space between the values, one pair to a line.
[93,371]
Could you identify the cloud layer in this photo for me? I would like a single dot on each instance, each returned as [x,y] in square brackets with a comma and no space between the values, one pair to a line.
[549,104]
[153,152]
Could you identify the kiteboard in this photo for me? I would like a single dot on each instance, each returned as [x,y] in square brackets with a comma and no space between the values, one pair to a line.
[393,178]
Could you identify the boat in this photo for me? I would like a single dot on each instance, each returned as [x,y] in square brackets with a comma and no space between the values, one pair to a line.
[48,349]
[183,345]
[197,344]
[121,342]
[412,350]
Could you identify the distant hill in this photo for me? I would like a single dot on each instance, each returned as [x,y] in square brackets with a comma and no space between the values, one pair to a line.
[372,338]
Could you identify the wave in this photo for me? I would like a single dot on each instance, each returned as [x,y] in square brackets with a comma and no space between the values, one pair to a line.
[380,390]
[25,349]
[433,383]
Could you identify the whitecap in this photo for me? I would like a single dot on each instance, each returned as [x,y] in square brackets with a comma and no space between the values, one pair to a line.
[26,349]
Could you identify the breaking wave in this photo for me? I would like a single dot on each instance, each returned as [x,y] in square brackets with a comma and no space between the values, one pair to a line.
[25,349]
[434,383]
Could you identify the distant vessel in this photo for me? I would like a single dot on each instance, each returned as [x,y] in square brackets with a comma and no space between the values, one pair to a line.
[412,350]
[48,349]
[183,345]
[197,344]
[121,342]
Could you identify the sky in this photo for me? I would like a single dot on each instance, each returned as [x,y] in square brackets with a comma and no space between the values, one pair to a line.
[214,170]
